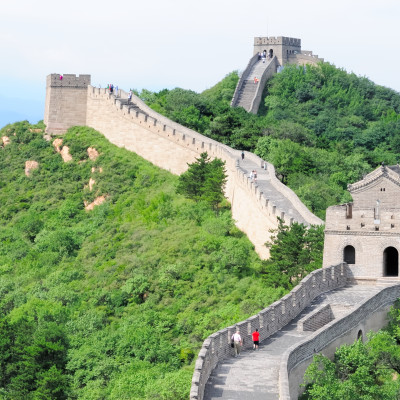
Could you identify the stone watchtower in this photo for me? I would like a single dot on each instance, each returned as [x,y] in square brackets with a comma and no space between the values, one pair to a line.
[366,233]
[66,102]
[282,47]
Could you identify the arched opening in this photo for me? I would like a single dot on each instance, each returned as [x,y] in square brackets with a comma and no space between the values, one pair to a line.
[390,262]
[349,255]
[360,335]
[270,53]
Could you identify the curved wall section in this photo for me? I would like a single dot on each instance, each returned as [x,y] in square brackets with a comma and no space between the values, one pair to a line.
[172,146]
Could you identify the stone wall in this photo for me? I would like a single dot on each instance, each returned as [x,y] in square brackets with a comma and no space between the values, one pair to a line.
[369,315]
[268,321]
[171,146]
[304,58]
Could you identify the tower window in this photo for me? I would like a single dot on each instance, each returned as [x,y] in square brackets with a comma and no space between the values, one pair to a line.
[349,255]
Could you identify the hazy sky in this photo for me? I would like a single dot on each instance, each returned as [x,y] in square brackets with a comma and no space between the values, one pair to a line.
[192,44]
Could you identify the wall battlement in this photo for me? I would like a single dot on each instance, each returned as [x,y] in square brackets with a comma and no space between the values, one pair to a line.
[282,40]
[68,80]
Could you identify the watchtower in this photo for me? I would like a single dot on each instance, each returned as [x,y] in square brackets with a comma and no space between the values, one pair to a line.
[282,47]
[66,102]
[366,232]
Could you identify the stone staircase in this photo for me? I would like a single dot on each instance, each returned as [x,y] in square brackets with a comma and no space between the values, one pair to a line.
[249,88]
[132,106]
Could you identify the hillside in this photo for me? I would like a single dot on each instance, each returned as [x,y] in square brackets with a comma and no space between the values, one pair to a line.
[112,303]
[321,127]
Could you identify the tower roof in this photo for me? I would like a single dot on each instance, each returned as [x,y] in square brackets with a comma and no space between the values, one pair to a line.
[390,172]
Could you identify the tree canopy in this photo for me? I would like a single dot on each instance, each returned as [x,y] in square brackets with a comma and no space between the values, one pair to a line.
[204,180]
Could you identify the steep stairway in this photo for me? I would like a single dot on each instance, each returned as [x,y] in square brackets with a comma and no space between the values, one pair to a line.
[249,88]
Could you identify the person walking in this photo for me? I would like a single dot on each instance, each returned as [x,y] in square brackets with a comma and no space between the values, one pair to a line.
[237,342]
[242,155]
[256,339]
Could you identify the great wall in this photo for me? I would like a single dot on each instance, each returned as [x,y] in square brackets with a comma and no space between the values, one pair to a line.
[330,306]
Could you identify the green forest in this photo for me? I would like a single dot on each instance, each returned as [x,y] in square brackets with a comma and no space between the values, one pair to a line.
[114,303]
[321,127]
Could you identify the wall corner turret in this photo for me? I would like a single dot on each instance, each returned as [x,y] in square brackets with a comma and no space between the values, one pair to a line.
[66,102]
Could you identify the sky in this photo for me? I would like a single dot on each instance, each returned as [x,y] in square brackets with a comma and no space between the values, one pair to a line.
[192,44]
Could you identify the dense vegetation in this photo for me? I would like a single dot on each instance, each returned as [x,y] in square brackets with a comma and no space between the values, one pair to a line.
[113,303]
[365,371]
[321,127]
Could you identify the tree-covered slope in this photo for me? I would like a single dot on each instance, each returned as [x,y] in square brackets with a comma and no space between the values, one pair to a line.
[320,126]
[112,303]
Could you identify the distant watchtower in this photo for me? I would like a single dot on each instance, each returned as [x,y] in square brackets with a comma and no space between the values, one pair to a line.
[66,102]
[282,47]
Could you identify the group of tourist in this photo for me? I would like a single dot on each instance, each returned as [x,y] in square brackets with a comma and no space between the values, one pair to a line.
[263,56]
[253,175]
[111,89]
[237,341]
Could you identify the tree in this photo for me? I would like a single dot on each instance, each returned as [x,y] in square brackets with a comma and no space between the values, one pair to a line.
[204,180]
[295,251]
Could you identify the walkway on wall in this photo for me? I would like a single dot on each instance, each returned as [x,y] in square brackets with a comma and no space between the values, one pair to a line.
[264,185]
[255,374]
[249,88]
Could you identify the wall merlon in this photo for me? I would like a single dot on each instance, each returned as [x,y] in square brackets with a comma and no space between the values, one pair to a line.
[68,80]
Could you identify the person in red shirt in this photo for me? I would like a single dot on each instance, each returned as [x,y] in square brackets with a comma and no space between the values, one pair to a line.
[256,339]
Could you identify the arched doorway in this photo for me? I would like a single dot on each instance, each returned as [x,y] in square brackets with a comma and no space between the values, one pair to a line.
[390,262]
[270,53]
[349,255]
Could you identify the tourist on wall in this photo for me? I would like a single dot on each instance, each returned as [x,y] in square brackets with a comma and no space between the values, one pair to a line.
[256,339]
[237,342]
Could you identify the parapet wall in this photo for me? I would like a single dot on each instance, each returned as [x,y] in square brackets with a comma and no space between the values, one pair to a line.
[268,321]
[369,315]
[304,58]
[172,146]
